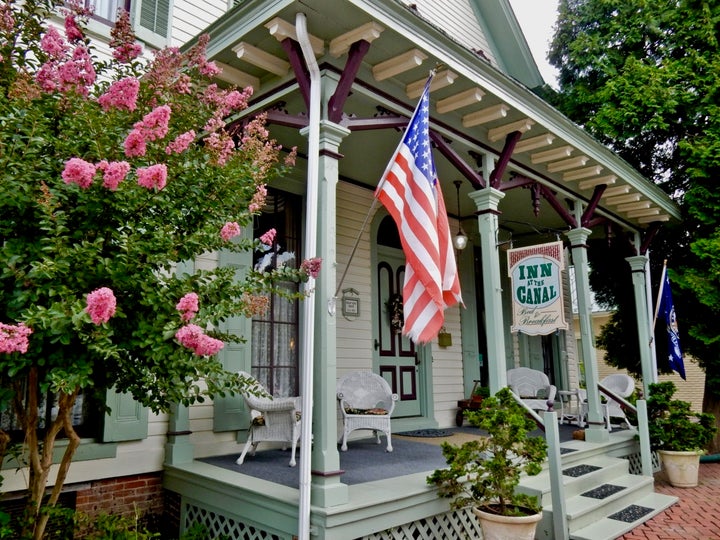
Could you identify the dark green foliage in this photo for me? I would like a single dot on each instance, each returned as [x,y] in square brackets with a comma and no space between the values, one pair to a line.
[673,426]
[487,471]
[642,76]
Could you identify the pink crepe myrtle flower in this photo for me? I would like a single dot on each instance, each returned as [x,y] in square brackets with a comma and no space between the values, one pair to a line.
[209,69]
[181,143]
[154,124]
[311,266]
[7,20]
[122,41]
[101,305]
[122,94]
[220,147]
[230,230]
[78,171]
[135,144]
[14,338]
[192,337]
[114,172]
[72,30]
[258,199]
[53,44]
[188,306]
[154,176]
[78,73]
[269,237]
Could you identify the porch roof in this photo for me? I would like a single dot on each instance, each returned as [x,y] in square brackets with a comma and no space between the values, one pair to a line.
[475,105]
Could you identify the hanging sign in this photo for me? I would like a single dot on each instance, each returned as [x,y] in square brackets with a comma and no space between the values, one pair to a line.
[537,296]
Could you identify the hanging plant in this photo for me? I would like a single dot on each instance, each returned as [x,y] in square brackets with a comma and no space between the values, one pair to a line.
[395,310]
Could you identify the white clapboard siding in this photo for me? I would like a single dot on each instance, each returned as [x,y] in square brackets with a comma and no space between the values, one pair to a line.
[445,16]
[191,18]
[354,336]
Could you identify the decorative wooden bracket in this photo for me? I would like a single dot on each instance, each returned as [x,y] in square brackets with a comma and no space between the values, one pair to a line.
[283,118]
[357,52]
[496,175]
[297,62]
[563,212]
[649,236]
[477,181]
[593,204]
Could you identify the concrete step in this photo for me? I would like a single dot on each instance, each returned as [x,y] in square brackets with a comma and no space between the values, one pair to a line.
[601,469]
[606,528]
[596,485]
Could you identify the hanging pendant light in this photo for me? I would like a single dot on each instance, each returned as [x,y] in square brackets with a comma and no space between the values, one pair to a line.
[460,240]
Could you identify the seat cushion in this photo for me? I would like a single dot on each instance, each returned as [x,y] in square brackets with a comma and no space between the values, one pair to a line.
[376,411]
[259,420]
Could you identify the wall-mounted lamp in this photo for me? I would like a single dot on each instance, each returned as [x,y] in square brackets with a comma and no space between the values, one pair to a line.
[460,240]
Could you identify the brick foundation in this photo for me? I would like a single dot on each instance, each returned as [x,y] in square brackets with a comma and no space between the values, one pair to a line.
[124,496]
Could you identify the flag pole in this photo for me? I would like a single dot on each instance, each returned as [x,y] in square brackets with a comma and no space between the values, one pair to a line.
[660,291]
[373,205]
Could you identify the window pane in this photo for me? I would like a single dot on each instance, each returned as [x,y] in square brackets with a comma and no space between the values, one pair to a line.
[275,333]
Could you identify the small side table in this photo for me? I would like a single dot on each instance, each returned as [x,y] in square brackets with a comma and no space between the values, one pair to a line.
[572,407]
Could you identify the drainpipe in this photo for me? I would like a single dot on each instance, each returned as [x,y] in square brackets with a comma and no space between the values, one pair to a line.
[306,379]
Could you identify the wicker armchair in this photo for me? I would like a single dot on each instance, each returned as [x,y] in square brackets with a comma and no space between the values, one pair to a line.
[273,420]
[533,387]
[366,402]
[623,386]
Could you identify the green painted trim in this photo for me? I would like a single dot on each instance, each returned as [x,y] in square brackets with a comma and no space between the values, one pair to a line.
[88,450]
[509,45]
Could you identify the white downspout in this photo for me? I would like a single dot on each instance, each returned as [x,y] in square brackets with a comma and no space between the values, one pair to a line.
[308,337]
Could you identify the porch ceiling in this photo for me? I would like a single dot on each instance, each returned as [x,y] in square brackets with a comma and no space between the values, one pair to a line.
[552,150]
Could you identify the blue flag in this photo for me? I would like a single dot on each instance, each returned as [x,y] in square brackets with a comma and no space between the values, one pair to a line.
[668,310]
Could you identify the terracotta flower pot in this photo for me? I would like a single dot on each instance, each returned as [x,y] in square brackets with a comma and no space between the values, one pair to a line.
[498,527]
[681,467]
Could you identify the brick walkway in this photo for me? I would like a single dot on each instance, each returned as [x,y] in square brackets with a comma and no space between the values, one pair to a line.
[695,516]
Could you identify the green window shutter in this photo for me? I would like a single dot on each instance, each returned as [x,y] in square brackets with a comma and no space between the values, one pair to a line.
[127,419]
[229,411]
[152,21]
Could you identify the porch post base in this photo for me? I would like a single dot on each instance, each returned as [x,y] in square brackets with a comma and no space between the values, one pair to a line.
[328,491]
[596,434]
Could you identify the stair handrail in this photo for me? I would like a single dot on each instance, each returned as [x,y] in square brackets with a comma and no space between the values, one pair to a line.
[535,416]
[612,395]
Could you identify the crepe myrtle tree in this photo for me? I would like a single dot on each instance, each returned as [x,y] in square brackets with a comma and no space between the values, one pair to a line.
[112,172]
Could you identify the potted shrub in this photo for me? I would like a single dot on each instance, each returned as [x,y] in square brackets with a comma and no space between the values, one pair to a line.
[484,473]
[678,434]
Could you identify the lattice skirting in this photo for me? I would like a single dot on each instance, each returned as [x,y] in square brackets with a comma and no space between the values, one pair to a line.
[458,525]
[636,462]
[219,526]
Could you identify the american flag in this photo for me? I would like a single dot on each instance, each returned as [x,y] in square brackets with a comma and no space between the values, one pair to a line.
[409,190]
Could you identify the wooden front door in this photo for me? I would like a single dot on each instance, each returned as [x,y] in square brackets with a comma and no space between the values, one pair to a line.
[395,354]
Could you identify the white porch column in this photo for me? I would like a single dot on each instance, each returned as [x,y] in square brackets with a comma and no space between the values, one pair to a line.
[327,488]
[637,266]
[487,201]
[596,431]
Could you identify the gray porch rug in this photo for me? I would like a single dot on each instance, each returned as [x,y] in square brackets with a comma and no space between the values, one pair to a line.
[364,461]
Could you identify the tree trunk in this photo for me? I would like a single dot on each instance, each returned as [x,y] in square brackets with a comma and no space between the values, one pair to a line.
[711,404]
[40,455]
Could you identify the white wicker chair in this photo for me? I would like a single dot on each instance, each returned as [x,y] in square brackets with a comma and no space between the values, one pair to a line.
[623,386]
[273,420]
[533,387]
[366,402]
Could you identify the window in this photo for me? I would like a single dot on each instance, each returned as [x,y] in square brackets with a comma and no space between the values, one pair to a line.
[275,334]
[106,10]
[150,18]
[126,421]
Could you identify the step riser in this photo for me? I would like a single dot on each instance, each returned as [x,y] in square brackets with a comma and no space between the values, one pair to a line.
[583,513]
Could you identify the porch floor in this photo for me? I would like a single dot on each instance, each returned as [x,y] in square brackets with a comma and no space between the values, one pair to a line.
[364,461]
